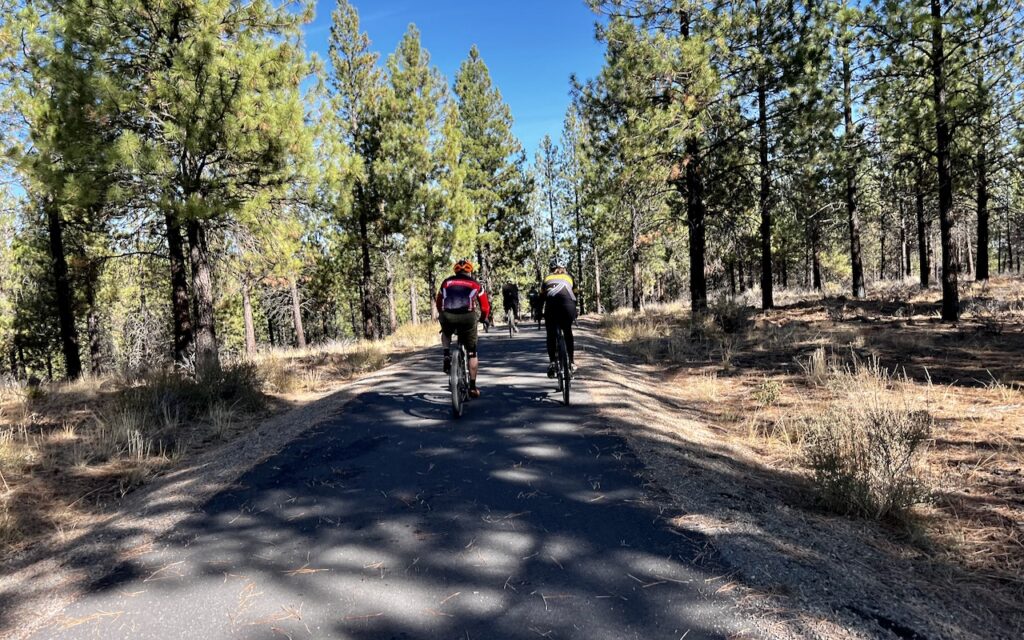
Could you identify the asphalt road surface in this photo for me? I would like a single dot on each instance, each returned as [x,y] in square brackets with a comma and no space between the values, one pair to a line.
[524,519]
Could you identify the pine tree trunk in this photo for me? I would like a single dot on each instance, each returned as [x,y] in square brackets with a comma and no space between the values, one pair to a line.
[207,355]
[432,284]
[883,231]
[92,324]
[180,314]
[696,214]
[580,271]
[366,278]
[981,273]
[414,310]
[300,331]
[597,282]
[922,232]
[392,303]
[247,318]
[764,201]
[1010,245]
[65,295]
[905,266]
[856,259]
[634,259]
[943,141]
[270,331]
[970,255]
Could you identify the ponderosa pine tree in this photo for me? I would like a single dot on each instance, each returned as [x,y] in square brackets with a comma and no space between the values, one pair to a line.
[359,94]
[772,47]
[495,177]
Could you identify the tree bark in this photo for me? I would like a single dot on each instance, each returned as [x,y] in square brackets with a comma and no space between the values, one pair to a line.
[981,272]
[432,284]
[696,215]
[392,303]
[634,259]
[580,272]
[247,318]
[180,313]
[65,294]
[970,255]
[1010,245]
[856,259]
[207,354]
[764,200]
[300,331]
[943,140]
[366,279]
[922,232]
[905,267]
[414,310]
[92,324]
[597,282]
[882,262]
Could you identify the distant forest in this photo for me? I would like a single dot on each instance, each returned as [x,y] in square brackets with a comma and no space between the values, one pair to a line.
[183,183]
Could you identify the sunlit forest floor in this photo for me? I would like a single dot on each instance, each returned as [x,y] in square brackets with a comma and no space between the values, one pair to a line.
[71,452]
[872,409]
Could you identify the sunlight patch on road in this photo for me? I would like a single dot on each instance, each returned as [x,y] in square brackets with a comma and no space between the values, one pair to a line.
[521,476]
[547,452]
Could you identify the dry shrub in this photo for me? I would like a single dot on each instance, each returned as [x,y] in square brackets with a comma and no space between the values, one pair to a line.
[768,392]
[122,432]
[10,532]
[864,450]
[816,367]
[277,375]
[731,315]
[221,417]
[15,450]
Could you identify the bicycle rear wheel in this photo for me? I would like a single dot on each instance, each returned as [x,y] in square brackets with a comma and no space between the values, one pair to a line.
[455,382]
[564,377]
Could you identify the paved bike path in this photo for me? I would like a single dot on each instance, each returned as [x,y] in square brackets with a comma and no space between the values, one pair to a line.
[393,520]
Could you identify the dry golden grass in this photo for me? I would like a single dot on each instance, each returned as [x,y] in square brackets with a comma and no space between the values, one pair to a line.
[291,371]
[801,368]
[70,451]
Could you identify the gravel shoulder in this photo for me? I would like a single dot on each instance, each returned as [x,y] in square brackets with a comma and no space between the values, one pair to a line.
[805,573]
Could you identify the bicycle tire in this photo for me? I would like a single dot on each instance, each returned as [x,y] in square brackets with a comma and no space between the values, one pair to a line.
[455,382]
[565,377]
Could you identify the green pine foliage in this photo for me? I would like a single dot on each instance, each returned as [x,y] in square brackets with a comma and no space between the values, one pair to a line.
[183,182]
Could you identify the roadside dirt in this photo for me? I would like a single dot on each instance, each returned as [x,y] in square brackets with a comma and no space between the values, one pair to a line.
[807,573]
[40,582]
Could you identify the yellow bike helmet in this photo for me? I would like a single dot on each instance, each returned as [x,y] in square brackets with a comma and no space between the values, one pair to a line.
[463,266]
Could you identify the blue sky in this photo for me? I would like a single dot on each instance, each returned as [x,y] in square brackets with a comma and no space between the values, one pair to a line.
[530,46]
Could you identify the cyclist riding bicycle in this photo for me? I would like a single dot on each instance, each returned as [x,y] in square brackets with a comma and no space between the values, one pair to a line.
[535,302]
[559,307]
[510,298]
[461,303]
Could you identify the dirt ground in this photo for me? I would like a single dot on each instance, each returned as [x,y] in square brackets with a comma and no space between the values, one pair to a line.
[717,417]
[71,453]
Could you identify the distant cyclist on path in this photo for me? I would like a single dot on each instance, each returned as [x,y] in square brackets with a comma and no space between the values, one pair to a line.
[510,298]
[559,308]
[461,304]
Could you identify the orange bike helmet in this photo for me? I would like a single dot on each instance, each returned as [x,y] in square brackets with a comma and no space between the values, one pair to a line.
[463,266]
